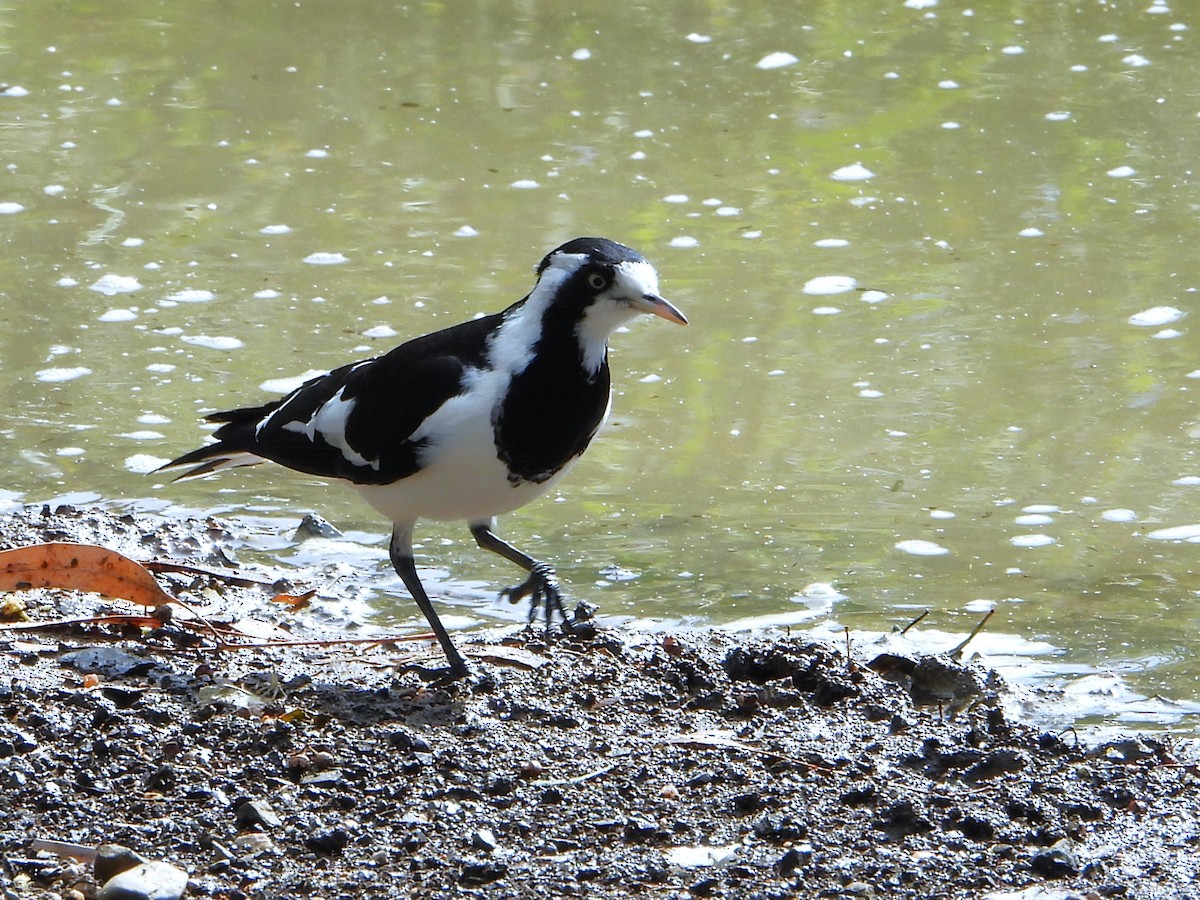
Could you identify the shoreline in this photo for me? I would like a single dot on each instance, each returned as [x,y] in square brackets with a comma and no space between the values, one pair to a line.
[676,764]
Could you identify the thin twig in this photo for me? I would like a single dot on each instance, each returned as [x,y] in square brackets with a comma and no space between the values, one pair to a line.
[904,630]
[578,779]
[155,565]
[957,651]
[219,632]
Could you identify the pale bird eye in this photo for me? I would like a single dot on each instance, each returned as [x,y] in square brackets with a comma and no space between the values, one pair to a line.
[597,281]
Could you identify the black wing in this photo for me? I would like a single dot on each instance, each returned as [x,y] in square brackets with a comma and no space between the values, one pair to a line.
[357,421]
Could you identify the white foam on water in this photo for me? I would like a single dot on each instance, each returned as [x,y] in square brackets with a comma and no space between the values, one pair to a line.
[921,548]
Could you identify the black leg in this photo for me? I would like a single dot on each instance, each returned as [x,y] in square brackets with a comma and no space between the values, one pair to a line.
[400,551]
[541,587]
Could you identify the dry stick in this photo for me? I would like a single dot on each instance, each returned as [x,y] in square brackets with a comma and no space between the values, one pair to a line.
[957,651]
[201,624]
[578,779]
[64,848]
[139,621]
[203,621]
[148,621]
[236,580]
[330,642]
[904,630]
[702,741]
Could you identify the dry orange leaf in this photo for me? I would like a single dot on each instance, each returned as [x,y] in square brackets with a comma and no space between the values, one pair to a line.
[296,601]
[80,567]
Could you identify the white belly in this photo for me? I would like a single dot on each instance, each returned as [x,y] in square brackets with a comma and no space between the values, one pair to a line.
[458,488]
[462,477]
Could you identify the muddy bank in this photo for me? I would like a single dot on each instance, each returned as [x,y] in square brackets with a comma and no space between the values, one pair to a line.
[605,765]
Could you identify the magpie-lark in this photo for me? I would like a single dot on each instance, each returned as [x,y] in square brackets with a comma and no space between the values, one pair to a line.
[464,423]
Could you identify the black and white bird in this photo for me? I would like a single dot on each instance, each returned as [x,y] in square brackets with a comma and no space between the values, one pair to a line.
[466,423]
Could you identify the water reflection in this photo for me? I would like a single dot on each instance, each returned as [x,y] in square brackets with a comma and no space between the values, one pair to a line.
[938,262]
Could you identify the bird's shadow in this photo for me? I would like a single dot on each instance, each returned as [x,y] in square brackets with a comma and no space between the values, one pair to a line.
[405,700]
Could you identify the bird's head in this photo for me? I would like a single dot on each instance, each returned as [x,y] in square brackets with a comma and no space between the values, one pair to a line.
[607,282]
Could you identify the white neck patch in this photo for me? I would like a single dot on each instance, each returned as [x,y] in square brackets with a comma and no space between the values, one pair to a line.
[512,347]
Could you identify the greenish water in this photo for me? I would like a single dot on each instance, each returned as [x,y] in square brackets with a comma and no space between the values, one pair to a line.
[938,259]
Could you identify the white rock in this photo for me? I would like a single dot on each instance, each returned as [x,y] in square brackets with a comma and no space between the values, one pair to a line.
[149,881]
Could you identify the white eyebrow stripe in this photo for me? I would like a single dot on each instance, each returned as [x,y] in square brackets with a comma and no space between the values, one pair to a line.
[637,278]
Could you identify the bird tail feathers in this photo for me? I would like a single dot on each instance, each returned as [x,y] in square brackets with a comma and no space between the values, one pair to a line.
[212,458]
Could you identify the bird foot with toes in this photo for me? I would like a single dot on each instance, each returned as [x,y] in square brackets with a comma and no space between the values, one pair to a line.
[541,587]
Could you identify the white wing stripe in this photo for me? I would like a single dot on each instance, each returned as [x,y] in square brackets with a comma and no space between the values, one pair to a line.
[329,420]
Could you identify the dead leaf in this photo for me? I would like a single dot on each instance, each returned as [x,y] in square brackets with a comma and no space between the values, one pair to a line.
[296,601]
[80,567]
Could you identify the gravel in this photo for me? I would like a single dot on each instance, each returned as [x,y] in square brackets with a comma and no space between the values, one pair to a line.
[610,764]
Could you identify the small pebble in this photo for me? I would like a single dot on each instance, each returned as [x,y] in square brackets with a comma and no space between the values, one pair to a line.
[255,813]
[148,881]
[312,526]
[531,769]
[298,764]
[480,873]
[640,830]
[322,761]
[328,843]
[1057,861]
[252,843]
[484,840]
[112,859]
